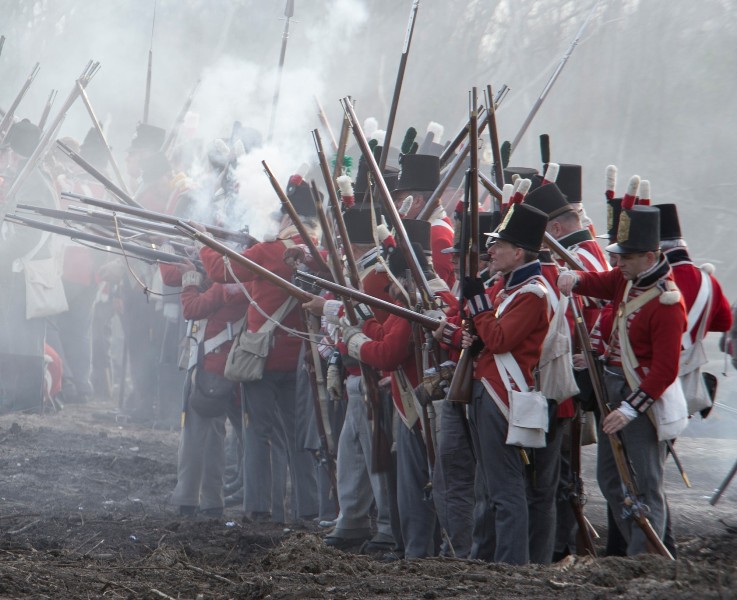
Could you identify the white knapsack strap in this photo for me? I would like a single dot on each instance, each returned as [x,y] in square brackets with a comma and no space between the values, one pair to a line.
[552,295]
[508,367]
[503,408]
[699,310]
[223,336]
[591,259]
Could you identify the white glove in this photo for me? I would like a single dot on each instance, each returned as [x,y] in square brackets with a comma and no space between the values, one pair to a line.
[567,280]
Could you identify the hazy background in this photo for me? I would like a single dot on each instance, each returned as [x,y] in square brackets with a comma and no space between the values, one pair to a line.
[651,86]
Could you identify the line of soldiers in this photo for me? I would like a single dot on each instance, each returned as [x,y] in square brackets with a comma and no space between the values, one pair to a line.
[490,473]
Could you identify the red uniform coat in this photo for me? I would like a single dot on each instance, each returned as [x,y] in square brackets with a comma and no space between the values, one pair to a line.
[688,279]
[441,237]
[269,297]
[520,329]
[654,331]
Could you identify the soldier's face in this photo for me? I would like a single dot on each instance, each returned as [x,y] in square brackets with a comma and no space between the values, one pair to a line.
[632,265]
[504,256]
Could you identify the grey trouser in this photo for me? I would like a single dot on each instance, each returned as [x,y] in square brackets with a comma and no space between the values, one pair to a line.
[453,479]
[542,490]
[201,462]
[505,477]
[416,509]
[358,487]
[270,405]
[647,457]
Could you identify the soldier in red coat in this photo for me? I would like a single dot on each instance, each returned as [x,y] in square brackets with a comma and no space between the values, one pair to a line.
[511,320]
[641,364]
[418,178]
[270,401]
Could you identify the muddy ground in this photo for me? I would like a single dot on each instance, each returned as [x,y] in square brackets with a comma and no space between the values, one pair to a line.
[83,514]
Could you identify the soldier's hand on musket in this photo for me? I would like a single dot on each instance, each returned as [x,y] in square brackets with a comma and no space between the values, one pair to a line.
[315,305]
[567,280]
[445,332]
[467,339]
[579,362]
[295,257]
[198,226]
[614,421]
[186,266]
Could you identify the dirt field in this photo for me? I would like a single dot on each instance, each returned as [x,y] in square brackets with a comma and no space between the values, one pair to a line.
[83,514]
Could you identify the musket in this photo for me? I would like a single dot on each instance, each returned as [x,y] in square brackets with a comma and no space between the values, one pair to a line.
[551,81]
[585,534]
[345,129]
[174,131]
[287,205]
[47,110]
[320,401]
[109,244]
[460,386]
[147,98]
[633,504]
[325,123]
[390,209]
[458,161]
[217,232]
[98,127]
[288,13]
[8,118]
[723,486]
[349,293]
[380,447]
[2,43]
[45,142]
[291,289]
[398,85]
[494,138]
[450,149]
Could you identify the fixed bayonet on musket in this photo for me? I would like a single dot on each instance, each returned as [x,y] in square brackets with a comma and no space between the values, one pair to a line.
[47,110]
[46,140]
[176,127]
[8,118]
[398,84]
[288,13]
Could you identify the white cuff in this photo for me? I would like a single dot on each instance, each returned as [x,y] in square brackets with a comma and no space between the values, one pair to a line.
[355,343]
[628,411]
[331,310]
[191,278]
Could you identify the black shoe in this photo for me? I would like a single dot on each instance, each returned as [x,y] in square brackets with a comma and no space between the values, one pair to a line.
[213,513]
[260,517]
[341,543]
[372,547]
[187,511]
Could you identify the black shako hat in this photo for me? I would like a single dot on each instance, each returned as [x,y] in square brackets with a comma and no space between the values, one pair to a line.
[549,199]
[523,172]
[488,221]
[569,182]
[613,212]
[419,232]
[638,231]
[93,149]
[523,226]
[398,265]
[361,184]
[419,172]
[22,138]
[148,137]
[358,224]
[670,226]
[301,198]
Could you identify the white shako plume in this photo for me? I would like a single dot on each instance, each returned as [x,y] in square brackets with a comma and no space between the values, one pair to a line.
[551,173]
[628,201]
[611,182]
[521,191]
[644,196]
[346,190]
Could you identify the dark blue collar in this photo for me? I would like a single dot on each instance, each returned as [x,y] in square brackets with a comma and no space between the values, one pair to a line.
[677,256]
[522,274]
[660,270]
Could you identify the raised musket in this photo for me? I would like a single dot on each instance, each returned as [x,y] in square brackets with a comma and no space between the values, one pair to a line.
[326,124]
[46,140]
[632,500]
[404,244]
[551,81]
[47,110]
[109,244]
[10,113]
[585,533]
[398,84]
[494,138]
[101,133]
[289,208]
[179,121]
[380,446]
[723,486]
[345,129]
[288,14]
[240,237]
